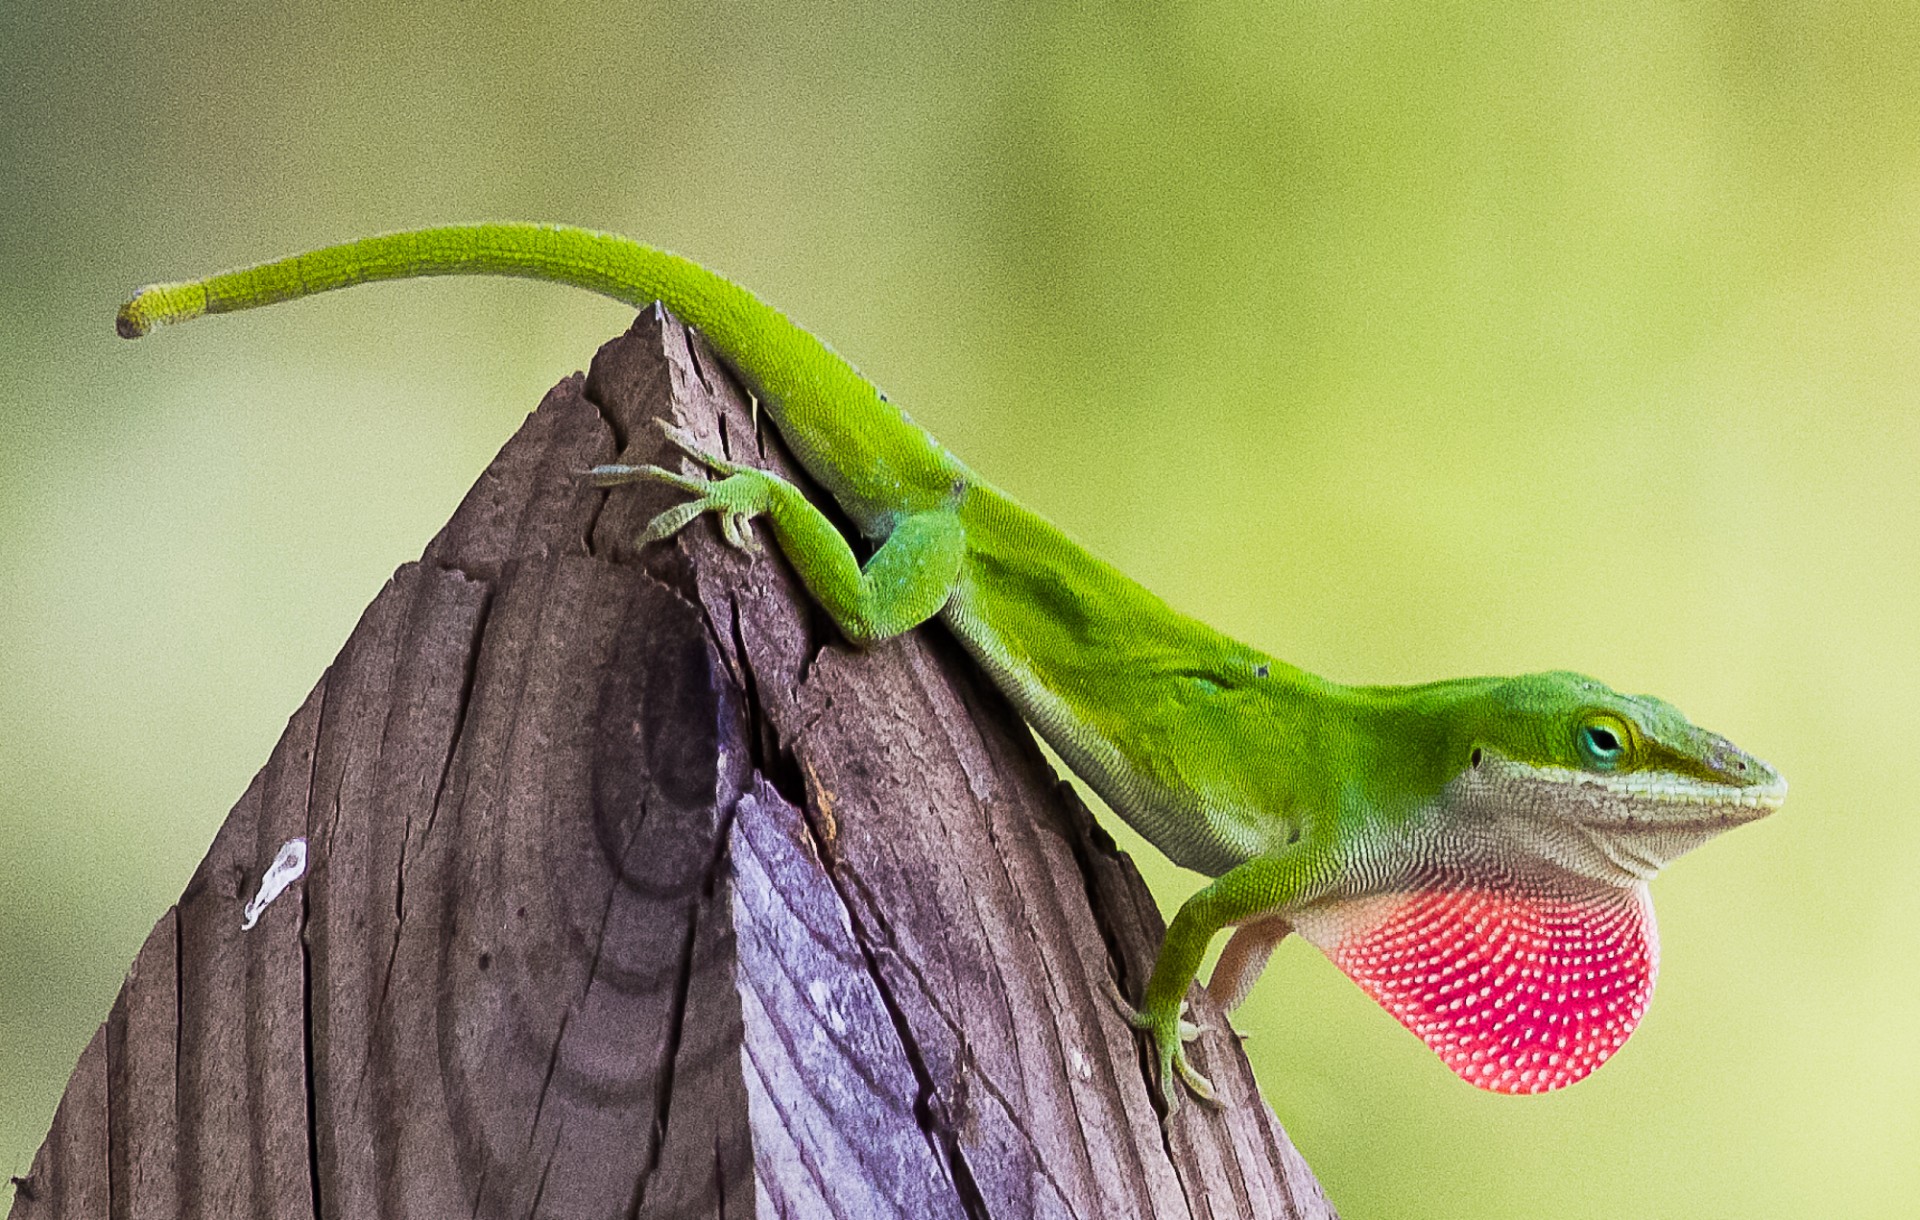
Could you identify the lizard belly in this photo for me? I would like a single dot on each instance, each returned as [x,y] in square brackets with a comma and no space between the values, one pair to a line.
[1191,834]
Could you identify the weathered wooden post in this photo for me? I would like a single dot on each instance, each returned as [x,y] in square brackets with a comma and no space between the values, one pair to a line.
[633,893]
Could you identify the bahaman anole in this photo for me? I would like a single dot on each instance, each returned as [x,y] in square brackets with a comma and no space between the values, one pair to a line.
[1473,853]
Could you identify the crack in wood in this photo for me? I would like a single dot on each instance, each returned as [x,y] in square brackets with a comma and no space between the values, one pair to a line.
[933,1125]
[693,358]
[663,1094]
[312,1093]
[546,1169]
[947,1115]
[469,674]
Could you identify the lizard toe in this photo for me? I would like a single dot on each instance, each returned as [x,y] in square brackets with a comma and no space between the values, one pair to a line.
[1201,1086]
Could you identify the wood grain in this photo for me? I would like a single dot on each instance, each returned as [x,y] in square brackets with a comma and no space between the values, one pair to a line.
[633,892]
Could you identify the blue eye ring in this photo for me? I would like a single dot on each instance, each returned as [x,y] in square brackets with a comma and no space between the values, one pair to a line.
[1604,742]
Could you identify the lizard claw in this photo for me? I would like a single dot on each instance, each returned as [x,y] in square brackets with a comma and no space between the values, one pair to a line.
[734,528]
[1170,1036]
[1201,1086]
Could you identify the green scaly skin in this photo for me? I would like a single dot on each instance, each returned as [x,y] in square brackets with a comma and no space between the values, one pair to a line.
[1303,799]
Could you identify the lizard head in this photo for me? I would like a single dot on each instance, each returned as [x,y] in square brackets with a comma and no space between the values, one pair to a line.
[1608,785]
[1513,930]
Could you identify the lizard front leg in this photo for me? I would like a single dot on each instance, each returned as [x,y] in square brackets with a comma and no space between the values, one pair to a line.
[1255,894]
[904,583]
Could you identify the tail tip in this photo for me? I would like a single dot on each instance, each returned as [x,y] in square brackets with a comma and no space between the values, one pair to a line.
[131,321]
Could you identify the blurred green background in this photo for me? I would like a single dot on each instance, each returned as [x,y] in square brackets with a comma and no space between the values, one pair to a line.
[1404,340]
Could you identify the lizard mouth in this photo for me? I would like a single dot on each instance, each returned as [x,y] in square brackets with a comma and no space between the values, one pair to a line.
[1669,791]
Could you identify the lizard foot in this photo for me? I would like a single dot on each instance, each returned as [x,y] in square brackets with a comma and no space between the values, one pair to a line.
[1170,1032]
[742,494]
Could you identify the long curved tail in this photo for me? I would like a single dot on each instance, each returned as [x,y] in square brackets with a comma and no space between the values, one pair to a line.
[867,454]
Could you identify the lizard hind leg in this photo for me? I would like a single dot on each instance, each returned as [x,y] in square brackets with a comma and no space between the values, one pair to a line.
[1244,957]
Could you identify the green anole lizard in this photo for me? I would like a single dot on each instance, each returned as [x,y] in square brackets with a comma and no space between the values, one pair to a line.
[1474,853]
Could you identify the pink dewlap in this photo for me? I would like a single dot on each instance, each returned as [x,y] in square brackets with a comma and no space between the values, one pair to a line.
[1518,991]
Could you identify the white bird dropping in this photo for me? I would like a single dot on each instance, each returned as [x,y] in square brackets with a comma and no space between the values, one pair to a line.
[287,867]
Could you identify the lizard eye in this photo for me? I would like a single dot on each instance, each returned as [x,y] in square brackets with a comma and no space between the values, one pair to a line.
[1603,743]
